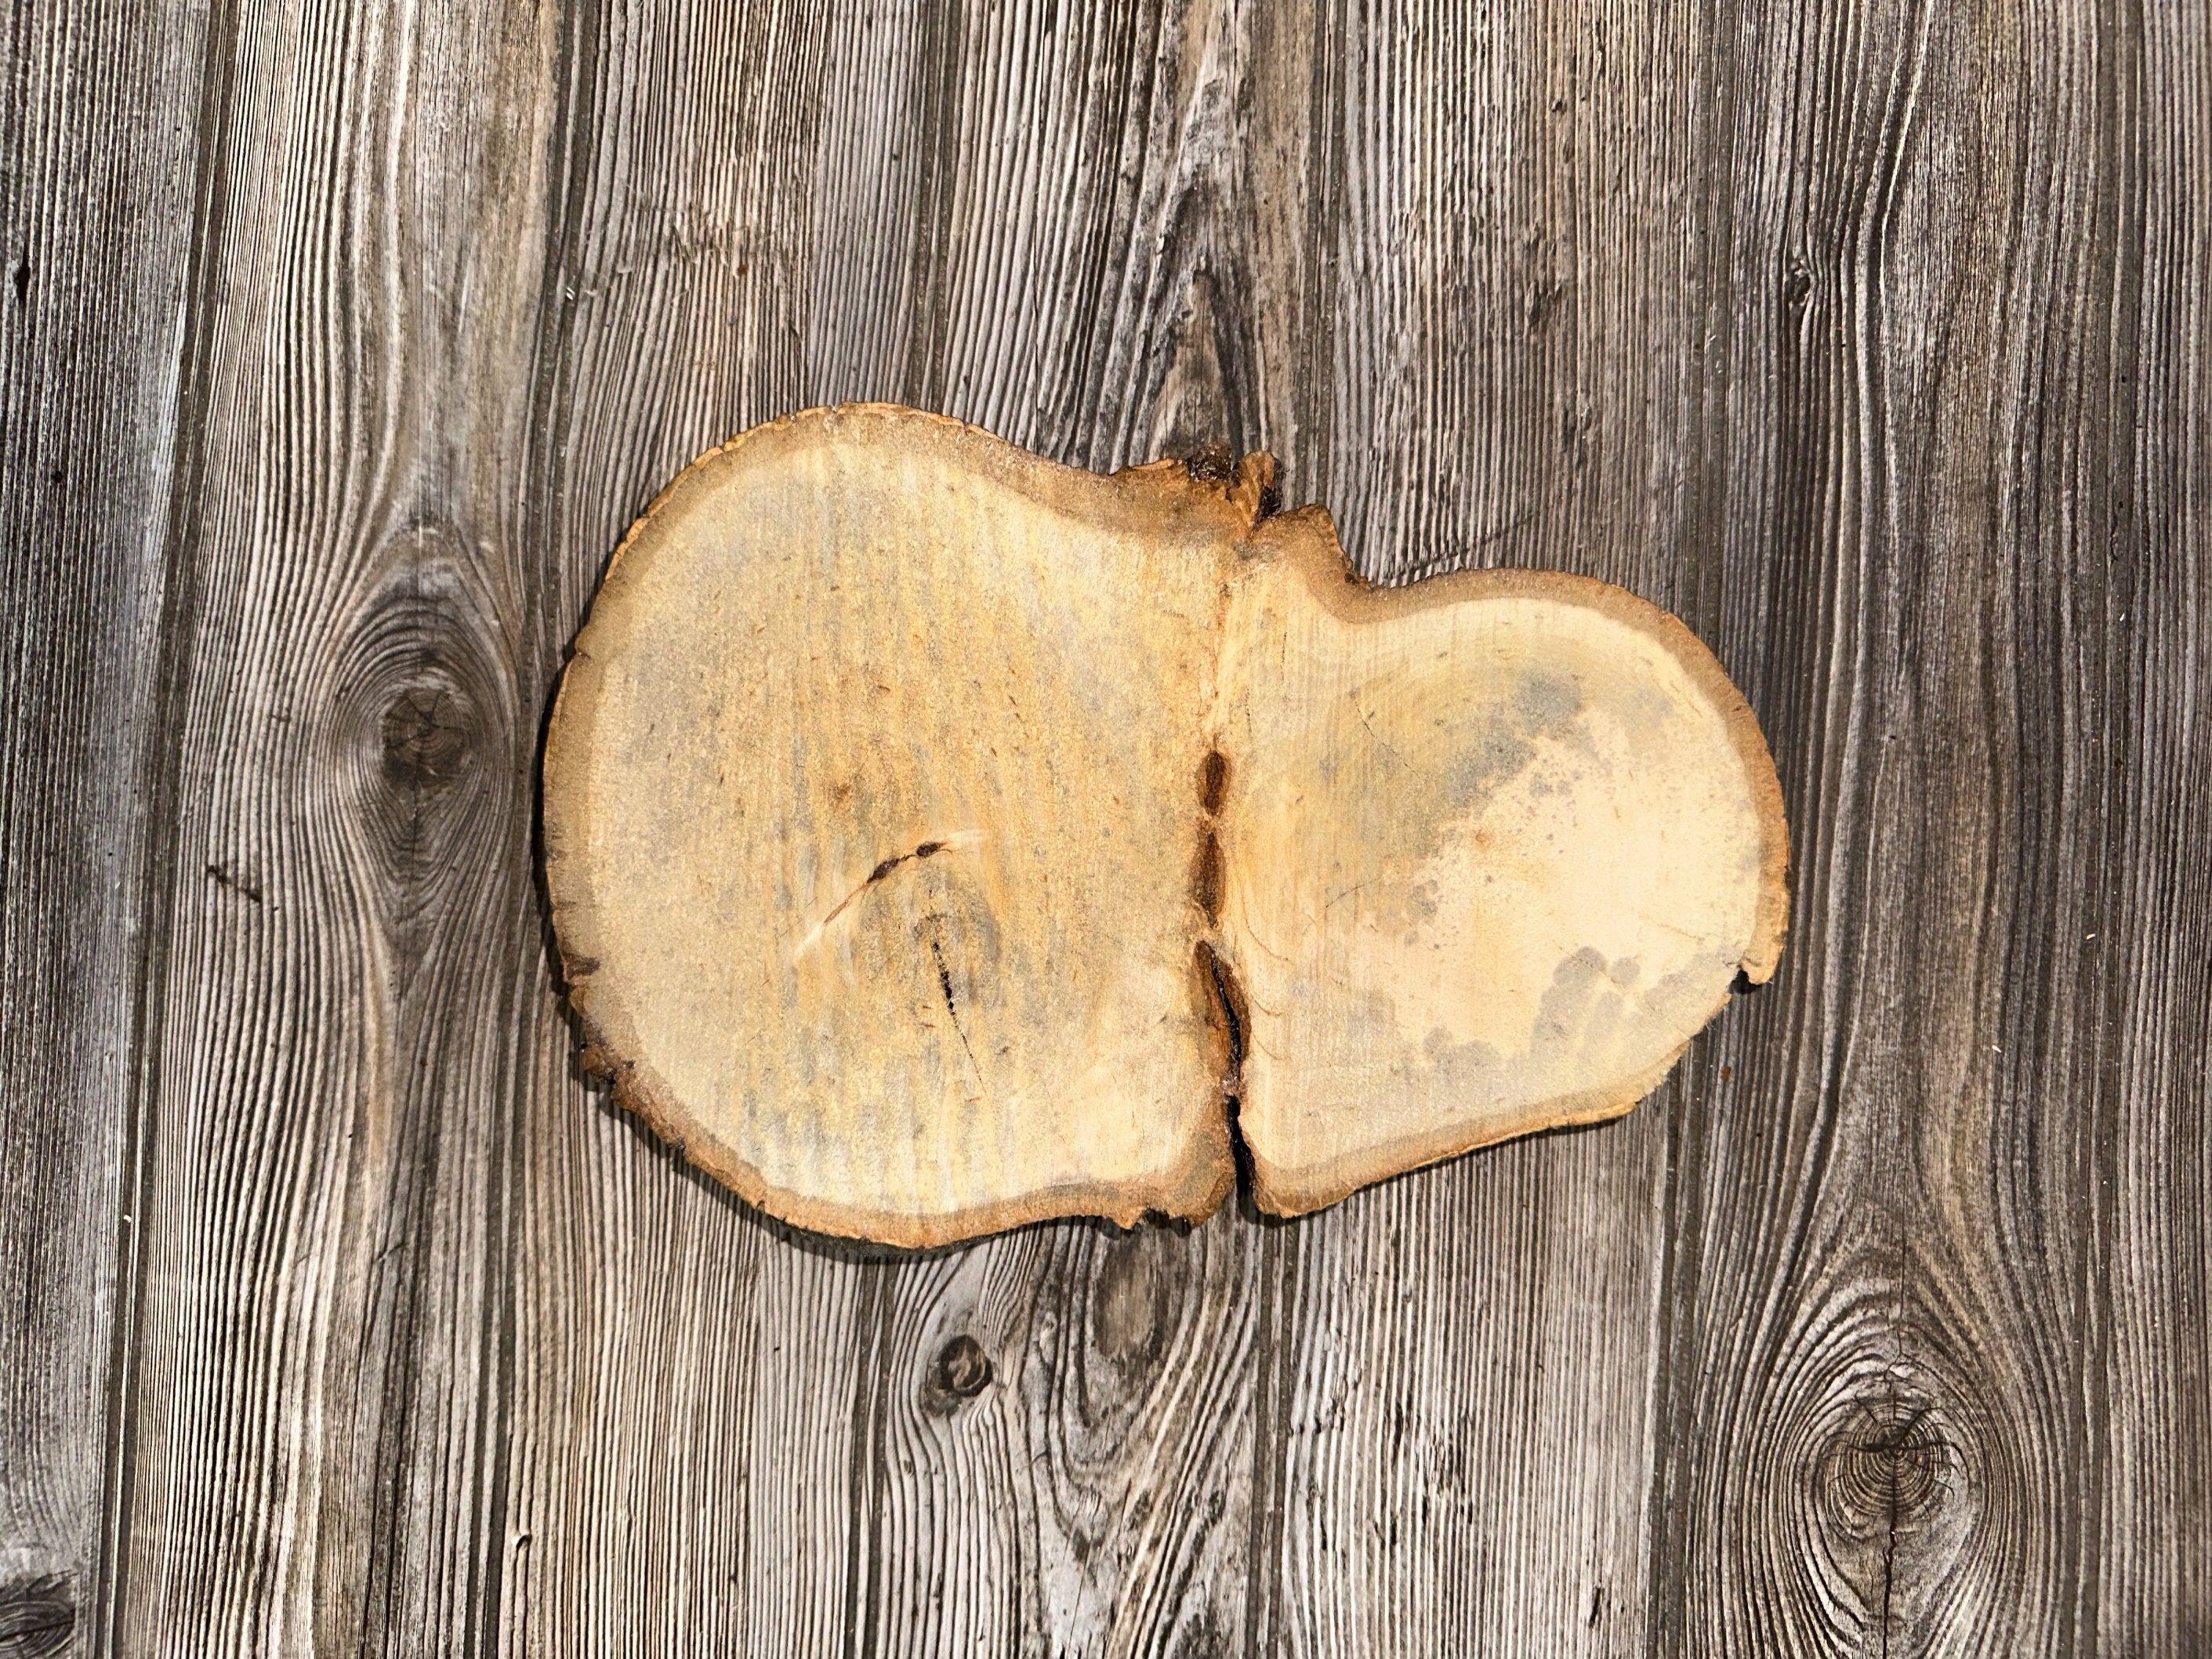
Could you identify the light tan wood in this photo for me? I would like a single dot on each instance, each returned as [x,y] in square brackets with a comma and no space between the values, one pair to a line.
[1496,847]
[869,803]
[937,835]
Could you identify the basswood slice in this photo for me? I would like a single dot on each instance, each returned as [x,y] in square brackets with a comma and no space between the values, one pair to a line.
[870,809]
[938,838]
[1497,848]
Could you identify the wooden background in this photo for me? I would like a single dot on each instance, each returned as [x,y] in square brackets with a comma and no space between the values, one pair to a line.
[340,342]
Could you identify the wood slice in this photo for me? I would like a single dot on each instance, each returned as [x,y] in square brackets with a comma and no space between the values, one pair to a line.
[871,797]
[940,839]
[1498,846]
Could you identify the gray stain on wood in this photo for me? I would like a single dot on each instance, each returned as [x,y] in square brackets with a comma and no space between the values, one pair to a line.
[339,350]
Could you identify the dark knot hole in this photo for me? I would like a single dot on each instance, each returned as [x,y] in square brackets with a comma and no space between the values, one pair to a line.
[425,736]
[962,1369]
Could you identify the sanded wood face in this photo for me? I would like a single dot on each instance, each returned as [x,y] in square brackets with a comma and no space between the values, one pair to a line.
[1497,847]
[939,838]
[875,893]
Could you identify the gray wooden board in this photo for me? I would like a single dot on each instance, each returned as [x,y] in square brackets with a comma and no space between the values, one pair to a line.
[100,117]
[342,343]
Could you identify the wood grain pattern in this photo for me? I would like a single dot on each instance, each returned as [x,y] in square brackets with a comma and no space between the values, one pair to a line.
[1893,1295]
[1488,214]
[95,221]
[314,1413]
[342,1316]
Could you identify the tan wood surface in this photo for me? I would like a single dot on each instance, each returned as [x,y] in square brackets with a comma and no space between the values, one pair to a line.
[938,839]
[340,344]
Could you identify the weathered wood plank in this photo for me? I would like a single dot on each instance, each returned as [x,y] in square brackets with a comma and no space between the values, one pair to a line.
[1889,1407]
[2148,1575]
[1499,366]
[686,1374]
[1030,1443]
[98,125]
[318,1403]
